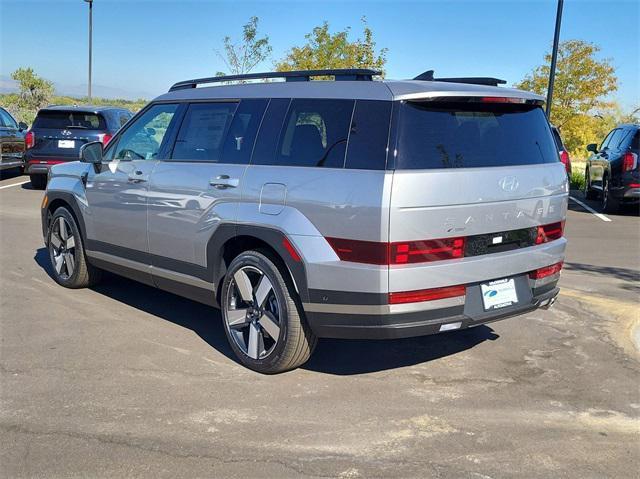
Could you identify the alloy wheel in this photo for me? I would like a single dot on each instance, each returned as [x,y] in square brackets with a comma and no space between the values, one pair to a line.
[62,248]
[253,312]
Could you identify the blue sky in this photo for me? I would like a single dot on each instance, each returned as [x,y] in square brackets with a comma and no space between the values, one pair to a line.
[141,47]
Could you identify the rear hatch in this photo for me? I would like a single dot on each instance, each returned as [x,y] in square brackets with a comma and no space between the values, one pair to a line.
[479,169]
[59,134]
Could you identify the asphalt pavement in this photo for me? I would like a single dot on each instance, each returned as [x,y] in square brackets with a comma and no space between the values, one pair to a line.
[128,381]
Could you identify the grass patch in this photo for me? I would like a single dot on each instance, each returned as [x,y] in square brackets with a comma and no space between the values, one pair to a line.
[577,180]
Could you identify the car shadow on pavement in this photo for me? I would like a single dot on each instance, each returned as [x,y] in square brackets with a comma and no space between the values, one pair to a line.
[619,273]
[332,356]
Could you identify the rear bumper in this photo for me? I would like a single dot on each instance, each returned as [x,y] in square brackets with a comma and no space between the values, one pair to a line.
[443,316]
[42,165]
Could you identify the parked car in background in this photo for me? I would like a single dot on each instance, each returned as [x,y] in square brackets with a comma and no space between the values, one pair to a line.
[352,208]
[11,141]
[612,169]
[58,132]
[562,151]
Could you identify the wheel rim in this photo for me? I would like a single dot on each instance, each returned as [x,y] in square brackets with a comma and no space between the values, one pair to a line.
[62,248]
[252,312]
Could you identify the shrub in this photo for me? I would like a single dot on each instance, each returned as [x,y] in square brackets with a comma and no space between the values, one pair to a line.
[577,180]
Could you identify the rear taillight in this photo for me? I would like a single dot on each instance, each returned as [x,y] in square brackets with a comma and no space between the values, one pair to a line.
[357,251]
[564,158]
[424,251]
[29,139]
[629,161]
[426,294]
[105,138]
[546,271]
[549,232]
[403,252]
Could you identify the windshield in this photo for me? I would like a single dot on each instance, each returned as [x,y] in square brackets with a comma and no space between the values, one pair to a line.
[468,135]
[69,119]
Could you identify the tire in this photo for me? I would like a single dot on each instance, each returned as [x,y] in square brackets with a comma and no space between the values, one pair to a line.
[263,321]
[609,203]
[589,193]
[66,252]
[38,182]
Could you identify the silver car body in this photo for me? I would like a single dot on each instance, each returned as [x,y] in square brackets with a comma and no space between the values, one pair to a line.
[164,223]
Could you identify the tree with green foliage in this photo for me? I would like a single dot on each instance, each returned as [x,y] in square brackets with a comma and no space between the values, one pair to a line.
[243,57]
[324,50]
[35,92]
[580,107]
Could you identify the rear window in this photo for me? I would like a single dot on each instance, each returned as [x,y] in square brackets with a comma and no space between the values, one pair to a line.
[470,135]
[59,120]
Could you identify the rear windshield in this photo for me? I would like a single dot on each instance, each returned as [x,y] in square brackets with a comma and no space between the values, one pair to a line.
[68,119]
[468,135]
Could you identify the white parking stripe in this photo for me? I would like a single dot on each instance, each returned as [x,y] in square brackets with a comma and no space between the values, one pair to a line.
[590,210]
[14,184]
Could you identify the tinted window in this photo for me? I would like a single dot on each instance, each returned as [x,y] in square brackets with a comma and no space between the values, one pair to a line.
[203,131]
[315,133]
[467,135]
[367,148]
[60,120]
[270,131]
[242,132]
[607,139]
[614,141]
[143,138]
[556,137]
[123,118]
[635,142]
[7,120]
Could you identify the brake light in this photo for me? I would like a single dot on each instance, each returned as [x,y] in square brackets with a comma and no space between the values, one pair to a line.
[629,161]
[501,99]
[564,158]
[357,251]
[549,232]
[424,251]
[546,271]
[29,139]
[104,138]
[426,294]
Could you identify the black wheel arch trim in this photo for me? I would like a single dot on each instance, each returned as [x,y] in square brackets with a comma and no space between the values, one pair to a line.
[70,200]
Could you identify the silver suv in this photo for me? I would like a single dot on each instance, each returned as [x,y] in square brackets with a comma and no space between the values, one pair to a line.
[352,208]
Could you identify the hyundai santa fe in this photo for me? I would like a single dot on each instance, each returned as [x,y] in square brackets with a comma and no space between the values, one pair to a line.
[305,209]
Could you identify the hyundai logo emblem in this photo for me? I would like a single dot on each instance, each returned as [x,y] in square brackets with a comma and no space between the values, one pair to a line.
[66,133]
[509,183]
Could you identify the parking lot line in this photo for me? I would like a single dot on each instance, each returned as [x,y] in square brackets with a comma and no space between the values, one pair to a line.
[591,210]
[13,184]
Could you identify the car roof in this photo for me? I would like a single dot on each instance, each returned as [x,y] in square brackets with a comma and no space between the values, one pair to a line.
[82,108]
[360,90]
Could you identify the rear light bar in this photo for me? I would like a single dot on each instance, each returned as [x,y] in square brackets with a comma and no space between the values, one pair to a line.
[104,138]
[546,271]
[501,99]
[629,161]
[427,294]
[564,158]
[549,232]
[402,252]
[29,139]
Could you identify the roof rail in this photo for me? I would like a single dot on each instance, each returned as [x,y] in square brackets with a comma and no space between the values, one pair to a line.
[490,81]
[300,75]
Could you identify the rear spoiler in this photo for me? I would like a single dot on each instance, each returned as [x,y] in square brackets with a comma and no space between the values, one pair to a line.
[488,81]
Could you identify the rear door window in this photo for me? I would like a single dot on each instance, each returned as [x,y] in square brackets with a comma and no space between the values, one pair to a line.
[63,120]
[203,130]
[472,135]
[315,134]
[614,140]
[369,136]
[242,132]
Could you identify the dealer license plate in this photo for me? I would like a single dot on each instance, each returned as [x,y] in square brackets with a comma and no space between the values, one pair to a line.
[499,294]
[66,144]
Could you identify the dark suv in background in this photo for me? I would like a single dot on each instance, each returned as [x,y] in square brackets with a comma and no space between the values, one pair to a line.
[11,141]
[58,132]
[612,170]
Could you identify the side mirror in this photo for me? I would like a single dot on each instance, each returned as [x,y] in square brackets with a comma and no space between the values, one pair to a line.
[151,131]
[592,147]
[91,153]
[22,126]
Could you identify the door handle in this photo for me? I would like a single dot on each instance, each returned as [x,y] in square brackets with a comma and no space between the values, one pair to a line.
[223,181]
[136,177]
